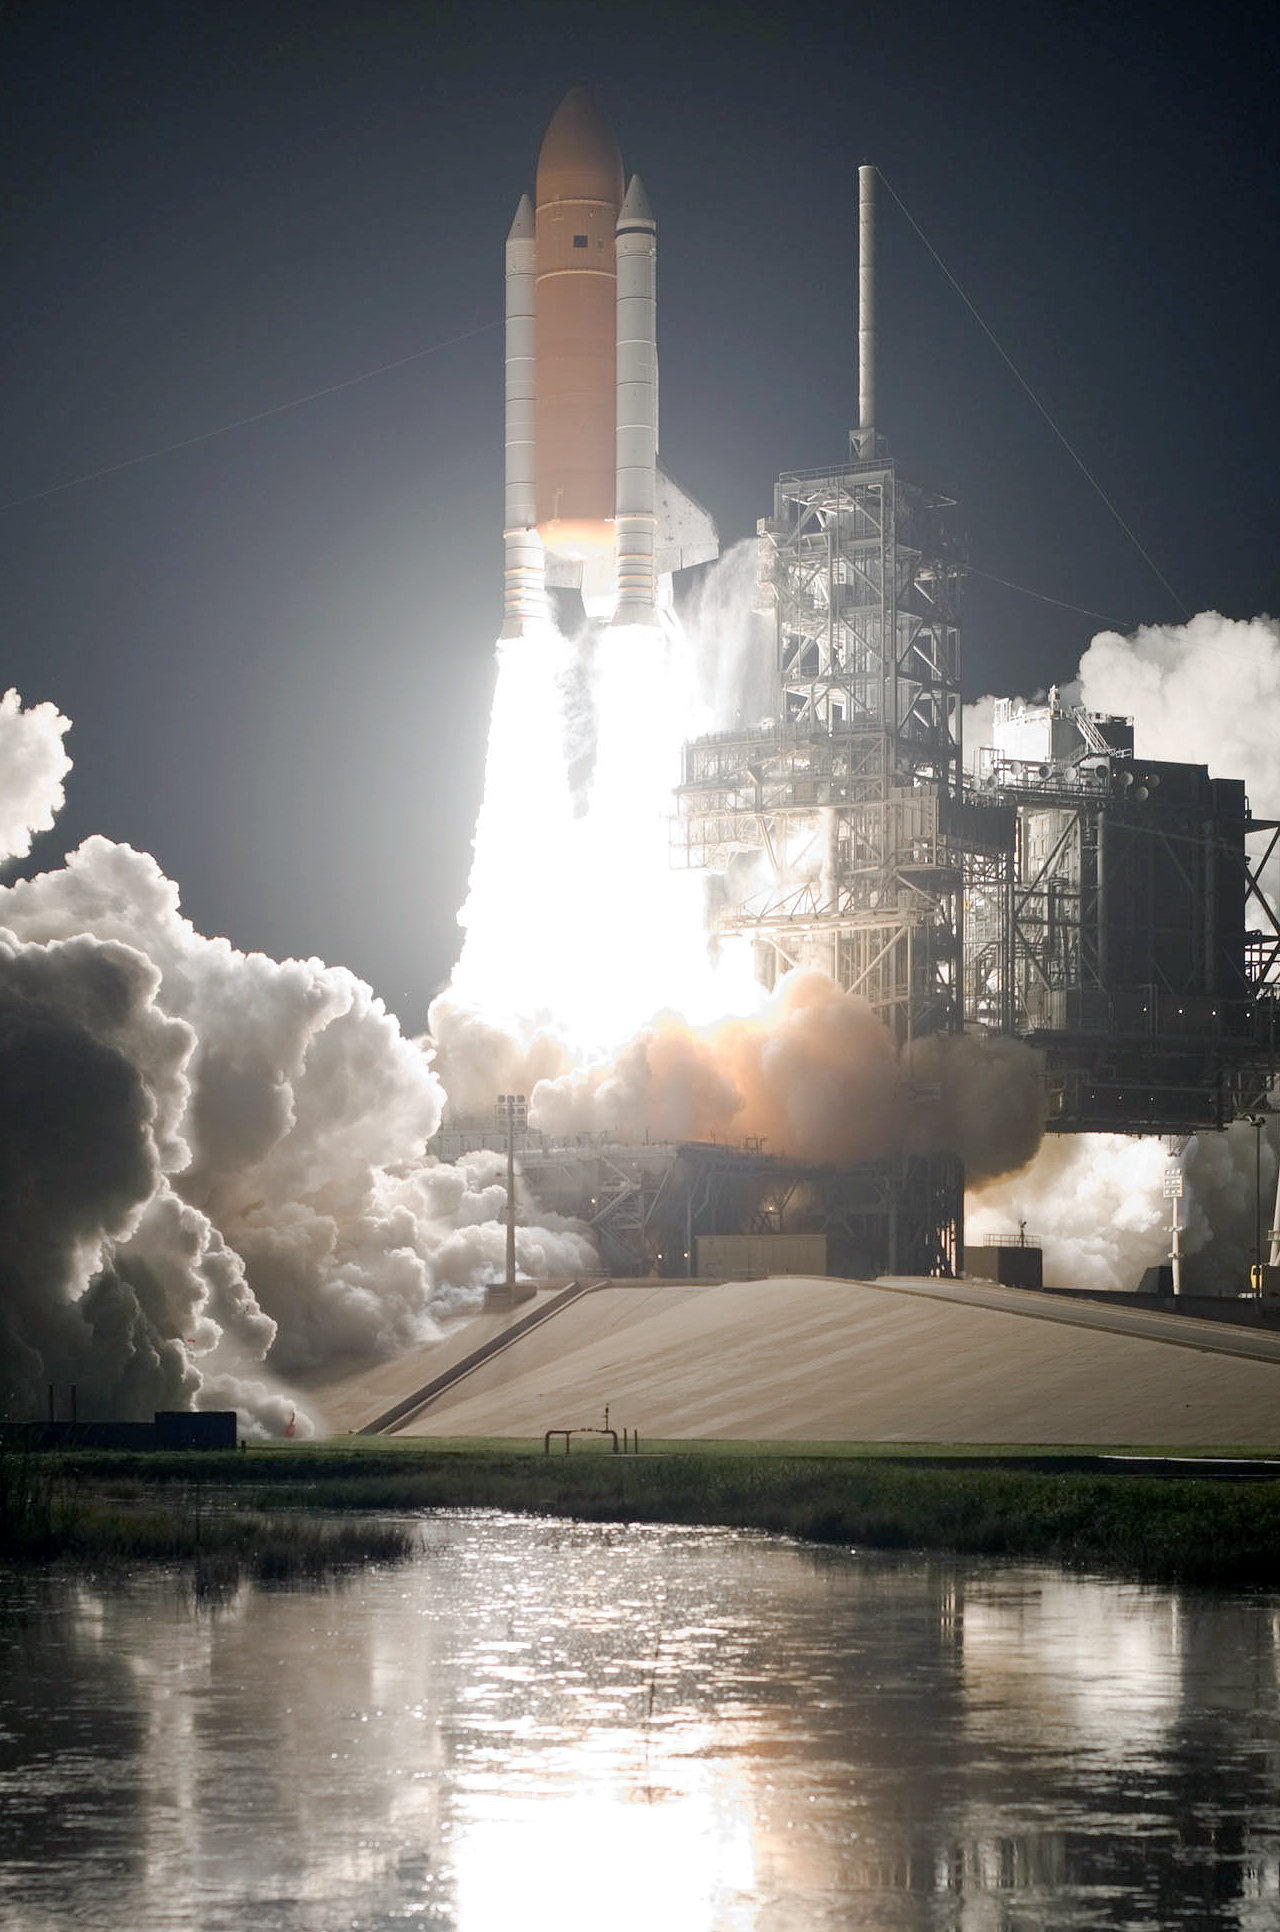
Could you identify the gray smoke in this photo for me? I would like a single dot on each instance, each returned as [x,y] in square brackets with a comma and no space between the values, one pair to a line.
[82,1148]
[990,1100]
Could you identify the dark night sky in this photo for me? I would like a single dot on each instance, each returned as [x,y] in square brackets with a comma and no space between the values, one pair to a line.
[276,645]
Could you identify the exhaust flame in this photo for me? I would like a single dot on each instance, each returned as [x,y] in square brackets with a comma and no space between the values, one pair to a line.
[576,924]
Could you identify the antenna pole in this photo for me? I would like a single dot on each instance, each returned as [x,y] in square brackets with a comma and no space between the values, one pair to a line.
[865,435]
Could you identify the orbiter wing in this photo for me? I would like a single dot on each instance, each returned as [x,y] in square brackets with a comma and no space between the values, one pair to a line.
[686,532]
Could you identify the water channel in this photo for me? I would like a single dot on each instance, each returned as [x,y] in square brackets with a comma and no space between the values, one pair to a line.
[548,1727]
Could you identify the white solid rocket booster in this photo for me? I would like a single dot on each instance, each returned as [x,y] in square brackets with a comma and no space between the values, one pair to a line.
[635,513]
[524,599]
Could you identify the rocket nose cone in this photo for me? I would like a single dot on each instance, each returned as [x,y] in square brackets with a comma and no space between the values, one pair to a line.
[579,158]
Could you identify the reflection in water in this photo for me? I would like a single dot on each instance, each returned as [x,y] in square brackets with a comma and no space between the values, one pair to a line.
[558,1726]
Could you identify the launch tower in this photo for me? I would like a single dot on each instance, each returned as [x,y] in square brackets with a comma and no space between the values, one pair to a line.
[841,822]
[1067,894]
[1086,902]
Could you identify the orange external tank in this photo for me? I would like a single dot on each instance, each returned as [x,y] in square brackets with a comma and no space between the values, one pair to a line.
[579,192]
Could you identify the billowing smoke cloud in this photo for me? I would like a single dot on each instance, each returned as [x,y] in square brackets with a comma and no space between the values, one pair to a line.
[731,642]
[1097,1203]
[815,1075]
[84,1134]
[977,725]
[1206,692]
[33,764]
[213,1166]
[990,1103]
[477,1059]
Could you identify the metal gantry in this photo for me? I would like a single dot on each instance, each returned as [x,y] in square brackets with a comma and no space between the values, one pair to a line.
[837,829]
[648,1205]
[1111,934]
[837,826]
[511,1116]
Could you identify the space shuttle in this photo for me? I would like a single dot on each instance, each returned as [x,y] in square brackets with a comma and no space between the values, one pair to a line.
[587,505]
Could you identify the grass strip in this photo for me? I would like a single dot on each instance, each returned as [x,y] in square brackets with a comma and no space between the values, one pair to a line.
[1187,1531]
[50,1513]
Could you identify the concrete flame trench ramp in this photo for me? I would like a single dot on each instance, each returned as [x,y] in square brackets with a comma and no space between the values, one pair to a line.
[802,1359]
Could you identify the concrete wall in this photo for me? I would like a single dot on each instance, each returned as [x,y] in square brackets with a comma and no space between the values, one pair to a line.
[749,1257]
[171,1429]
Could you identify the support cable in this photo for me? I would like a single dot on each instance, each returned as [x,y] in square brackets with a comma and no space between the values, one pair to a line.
[1023,384]
[1116,623]
[243,422]
[1119,624]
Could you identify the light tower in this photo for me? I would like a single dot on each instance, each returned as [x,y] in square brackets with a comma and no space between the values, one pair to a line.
[511,1114]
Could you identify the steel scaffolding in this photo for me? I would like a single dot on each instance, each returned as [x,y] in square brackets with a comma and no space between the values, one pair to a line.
[646,1206]
[1112,936]
[848,804]
[837,829]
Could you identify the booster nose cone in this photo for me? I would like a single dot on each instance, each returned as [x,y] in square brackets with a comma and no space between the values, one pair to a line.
[579,158]
[522,227]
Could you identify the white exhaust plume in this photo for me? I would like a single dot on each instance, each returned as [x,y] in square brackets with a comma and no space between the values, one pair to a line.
[1097,1202]
[1206,692]
[731,644]
[578,929]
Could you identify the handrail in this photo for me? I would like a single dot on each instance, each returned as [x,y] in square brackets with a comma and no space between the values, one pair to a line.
[584,1431]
